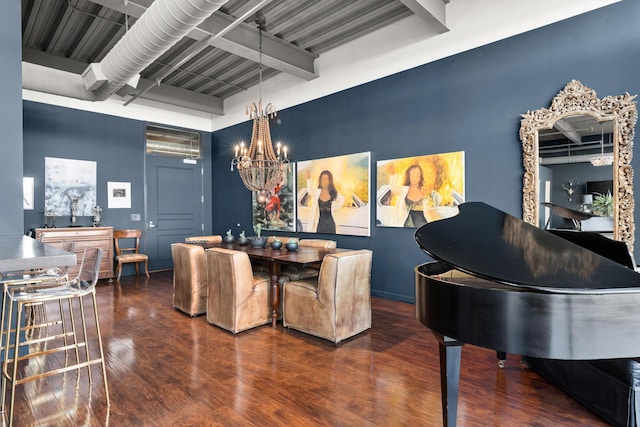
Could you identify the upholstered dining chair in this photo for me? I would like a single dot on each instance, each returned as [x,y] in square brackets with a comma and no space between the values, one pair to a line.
[237,299]
[337,304]
[189,278]
[263,267]
[318,243]
[283,239]
[210,240]
[294,272]
[129,254]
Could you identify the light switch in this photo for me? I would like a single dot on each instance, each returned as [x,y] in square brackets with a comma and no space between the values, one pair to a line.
[135,217]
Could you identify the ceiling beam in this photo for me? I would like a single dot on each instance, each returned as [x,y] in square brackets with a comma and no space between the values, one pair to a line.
[183,98]
[432,12]
[569,131]
[162,93]
[45,59]
[242,40]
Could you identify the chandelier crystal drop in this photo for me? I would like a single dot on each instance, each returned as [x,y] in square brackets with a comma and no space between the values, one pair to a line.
[602,160]
[259,165]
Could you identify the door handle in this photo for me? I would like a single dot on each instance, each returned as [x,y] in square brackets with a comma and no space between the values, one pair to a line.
[152,225]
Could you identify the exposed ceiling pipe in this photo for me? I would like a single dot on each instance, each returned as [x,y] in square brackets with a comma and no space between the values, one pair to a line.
[57,82]
[196,49]
[161,26]
[581,158]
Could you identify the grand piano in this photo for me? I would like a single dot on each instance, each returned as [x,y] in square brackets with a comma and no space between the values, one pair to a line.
[500,283]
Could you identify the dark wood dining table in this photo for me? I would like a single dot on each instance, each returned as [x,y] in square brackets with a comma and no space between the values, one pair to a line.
[304,256]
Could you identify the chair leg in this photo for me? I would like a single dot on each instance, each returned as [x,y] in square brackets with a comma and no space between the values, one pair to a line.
[119,268]
[146,268]
[74,334]
[102,359]
[86,339]
[14,375]
[6,333]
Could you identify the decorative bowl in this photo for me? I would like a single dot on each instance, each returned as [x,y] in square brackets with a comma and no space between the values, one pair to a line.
[242,241]
[228,239]
[258,242]
[276,244]
[292,246]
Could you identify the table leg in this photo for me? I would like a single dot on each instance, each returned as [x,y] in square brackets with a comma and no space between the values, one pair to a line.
[274,274]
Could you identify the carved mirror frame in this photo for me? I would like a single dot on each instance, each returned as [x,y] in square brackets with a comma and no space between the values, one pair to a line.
[575,99]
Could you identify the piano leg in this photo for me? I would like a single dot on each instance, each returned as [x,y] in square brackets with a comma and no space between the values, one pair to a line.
[450,352]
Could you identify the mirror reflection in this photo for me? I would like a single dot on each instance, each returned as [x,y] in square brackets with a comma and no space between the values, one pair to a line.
[575,160]
[577,163]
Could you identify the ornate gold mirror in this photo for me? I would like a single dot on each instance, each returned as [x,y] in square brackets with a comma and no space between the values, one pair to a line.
[580,140]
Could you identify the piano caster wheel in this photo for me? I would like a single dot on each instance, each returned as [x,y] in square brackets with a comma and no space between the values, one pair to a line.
[502,357]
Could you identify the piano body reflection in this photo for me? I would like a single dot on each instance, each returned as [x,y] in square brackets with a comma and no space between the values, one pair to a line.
[503,284]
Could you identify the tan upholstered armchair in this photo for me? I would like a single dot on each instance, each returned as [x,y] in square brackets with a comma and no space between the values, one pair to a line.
[189,278]
[211,240]
[294,272]
[318,243]
[336,305]
[237,299]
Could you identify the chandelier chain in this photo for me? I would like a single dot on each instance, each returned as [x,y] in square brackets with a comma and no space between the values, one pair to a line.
[260,62]
[260,166]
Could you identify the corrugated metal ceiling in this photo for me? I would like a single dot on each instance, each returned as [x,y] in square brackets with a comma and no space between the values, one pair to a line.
[70,34]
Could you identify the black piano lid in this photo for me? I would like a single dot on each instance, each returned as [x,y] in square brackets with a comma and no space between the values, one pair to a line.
[488,243]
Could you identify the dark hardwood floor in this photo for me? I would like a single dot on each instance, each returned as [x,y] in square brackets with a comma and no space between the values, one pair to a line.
[167,369]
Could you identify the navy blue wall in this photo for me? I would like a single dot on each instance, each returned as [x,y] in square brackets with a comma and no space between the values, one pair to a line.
[11,119]
[116,144]
[470,102]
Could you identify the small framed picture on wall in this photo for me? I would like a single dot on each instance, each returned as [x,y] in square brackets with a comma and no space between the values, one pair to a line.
[119,195]
[27,193]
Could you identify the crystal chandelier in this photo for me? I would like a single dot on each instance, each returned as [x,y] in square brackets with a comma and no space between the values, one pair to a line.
[260,166]
[602,159]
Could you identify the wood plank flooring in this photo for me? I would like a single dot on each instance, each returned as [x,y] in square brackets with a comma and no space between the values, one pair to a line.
[167,369]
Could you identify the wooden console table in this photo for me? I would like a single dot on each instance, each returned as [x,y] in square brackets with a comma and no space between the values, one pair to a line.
[97,237]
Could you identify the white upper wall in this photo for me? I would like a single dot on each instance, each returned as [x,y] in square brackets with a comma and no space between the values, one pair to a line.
[398,47]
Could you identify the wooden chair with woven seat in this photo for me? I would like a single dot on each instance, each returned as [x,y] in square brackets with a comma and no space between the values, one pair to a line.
[125,255]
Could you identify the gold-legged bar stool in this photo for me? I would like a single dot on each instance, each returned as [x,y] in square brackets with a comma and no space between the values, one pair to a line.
[32,277]
[68,341]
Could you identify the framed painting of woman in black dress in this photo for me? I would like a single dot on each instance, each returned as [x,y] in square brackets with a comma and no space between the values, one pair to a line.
[412,191]
[333,195]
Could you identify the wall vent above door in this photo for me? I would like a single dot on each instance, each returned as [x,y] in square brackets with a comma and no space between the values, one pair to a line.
[163,141]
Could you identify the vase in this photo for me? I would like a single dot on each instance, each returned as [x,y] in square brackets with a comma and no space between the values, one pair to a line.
[228,239]
[292,246]
[276,244]
[258,242]
[242,241]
